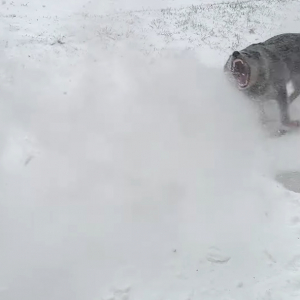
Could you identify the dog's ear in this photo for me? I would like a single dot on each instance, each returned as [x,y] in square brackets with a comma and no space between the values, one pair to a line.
[235,54]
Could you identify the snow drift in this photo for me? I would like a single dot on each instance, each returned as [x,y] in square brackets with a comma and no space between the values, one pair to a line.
[122,179]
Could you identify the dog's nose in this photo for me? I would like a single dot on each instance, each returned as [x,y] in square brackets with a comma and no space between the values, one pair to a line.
[235,54]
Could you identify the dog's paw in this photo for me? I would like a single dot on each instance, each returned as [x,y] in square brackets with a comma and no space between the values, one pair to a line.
[280,132]
[288,127]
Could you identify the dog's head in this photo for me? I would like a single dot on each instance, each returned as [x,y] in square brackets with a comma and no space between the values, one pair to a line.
[243,68]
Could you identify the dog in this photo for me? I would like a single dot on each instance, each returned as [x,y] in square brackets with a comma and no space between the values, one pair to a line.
[269,70]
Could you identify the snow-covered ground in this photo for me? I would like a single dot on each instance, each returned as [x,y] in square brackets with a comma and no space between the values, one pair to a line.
[130,170]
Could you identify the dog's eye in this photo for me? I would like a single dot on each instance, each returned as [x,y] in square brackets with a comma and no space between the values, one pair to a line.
[255,54]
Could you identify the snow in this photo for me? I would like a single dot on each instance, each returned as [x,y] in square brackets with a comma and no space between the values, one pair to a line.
[129,168]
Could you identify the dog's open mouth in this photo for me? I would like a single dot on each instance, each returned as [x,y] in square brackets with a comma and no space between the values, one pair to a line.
[241,72]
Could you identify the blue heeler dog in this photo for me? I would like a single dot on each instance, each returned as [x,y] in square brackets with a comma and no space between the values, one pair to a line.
[269,71]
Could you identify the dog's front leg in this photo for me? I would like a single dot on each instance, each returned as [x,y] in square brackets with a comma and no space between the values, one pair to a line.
[283,104]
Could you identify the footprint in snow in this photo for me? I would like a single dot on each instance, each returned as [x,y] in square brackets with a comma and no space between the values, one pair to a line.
[217,257]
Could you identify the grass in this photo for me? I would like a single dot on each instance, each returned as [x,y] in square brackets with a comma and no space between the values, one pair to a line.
[220,26]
